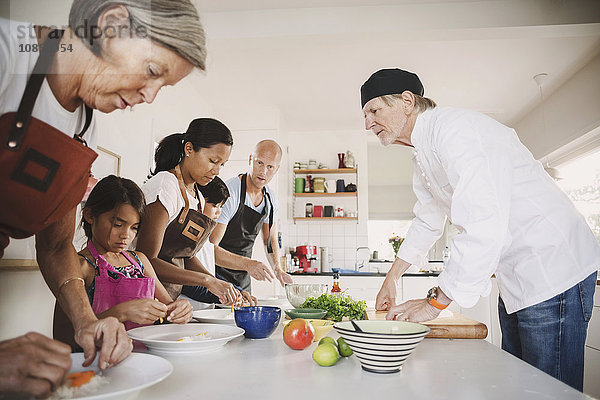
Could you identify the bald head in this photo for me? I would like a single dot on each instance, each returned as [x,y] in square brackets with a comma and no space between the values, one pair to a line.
[268,146]
[264,162]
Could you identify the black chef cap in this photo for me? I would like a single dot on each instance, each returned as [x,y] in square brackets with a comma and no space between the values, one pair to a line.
[390,81]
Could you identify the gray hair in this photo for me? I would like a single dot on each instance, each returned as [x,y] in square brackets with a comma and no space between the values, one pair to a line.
[421,103]
[172,23]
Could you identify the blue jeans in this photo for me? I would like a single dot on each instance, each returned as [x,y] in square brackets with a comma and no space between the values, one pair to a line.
[551,335]
[201,294]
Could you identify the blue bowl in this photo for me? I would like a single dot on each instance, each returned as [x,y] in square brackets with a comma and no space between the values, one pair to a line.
[259,322]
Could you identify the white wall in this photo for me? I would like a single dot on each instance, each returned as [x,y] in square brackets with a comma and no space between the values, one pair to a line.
[26,304]
[342,237]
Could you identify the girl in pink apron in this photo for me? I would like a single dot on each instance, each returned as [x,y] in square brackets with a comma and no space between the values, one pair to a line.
[119,283]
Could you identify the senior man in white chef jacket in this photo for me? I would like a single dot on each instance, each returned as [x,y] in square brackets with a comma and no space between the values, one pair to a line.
[513,222]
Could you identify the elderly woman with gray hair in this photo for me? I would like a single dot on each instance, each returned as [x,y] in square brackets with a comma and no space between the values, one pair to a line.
[114,54]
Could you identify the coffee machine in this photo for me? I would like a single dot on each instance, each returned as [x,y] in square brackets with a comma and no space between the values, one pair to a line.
[307,257]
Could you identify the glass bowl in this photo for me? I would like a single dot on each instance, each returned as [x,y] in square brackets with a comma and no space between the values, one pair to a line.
[297,293]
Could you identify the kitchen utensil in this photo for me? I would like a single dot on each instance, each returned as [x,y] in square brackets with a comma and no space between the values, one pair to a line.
[318,211]
[340,186]
[382,346]
[351,187]
[341,163]
[448,325]
[312,164]
[319,184]
[164,339]
[315,313]
[326,259]
[299,185]
[328,211]
[307,257]
[297,293]
[355,325]
[258,322]
[330,185]
[339,211]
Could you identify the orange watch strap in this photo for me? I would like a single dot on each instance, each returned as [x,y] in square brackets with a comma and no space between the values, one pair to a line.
[437,304]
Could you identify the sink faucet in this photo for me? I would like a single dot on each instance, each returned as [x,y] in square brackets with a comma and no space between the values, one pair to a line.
[358,266]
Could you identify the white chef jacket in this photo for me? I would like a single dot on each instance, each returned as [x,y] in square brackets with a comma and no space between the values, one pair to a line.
[512,218]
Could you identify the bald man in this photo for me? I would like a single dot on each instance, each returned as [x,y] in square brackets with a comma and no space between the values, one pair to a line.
[250,209]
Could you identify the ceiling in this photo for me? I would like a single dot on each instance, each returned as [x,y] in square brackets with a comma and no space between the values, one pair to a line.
[299,64]
[296,66]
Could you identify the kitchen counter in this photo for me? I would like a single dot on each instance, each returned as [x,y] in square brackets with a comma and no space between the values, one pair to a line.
[466,369]
[359,273]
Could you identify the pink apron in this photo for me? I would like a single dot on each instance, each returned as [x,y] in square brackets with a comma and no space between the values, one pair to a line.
[110,291]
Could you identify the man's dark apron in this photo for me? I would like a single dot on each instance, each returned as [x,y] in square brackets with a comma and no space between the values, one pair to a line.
[240,235]
[184,236]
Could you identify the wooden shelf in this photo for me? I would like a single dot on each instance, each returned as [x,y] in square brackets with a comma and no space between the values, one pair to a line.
[325,218]
[340,194]
[326,171]
[18,265]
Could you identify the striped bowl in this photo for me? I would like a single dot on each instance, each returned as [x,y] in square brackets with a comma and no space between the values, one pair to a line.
[382,346]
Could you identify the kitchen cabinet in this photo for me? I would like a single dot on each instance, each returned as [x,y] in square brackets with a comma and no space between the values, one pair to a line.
[347,200]
[591,383]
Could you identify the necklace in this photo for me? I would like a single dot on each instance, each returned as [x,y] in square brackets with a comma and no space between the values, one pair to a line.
[191,191]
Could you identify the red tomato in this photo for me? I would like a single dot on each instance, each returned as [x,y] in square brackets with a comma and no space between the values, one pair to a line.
[298,334]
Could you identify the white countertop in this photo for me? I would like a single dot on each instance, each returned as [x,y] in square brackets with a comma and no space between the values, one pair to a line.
[438,369]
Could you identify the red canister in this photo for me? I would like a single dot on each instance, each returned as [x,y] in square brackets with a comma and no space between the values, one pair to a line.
[318,211]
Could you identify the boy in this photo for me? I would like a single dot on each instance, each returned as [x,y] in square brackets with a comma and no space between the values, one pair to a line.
[215,194]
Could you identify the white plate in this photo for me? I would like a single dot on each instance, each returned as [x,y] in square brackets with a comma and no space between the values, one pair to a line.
[217,316]
[273,301]
[136,372]
[163,339]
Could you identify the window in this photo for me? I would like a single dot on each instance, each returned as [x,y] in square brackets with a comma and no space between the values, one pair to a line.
[580,180]
[380,231]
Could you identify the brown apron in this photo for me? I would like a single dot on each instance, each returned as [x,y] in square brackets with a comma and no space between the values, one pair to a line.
[184,236]
[43,172]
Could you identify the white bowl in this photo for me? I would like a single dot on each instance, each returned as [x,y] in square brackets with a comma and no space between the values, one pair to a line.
[297,293]
[382,346]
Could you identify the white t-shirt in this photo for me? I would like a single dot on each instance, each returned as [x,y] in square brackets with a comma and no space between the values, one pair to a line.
[231,205]
[164,187]
[15,68]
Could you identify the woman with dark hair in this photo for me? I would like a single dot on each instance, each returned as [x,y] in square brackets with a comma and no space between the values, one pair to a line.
[112,55]
[174,227]
[120,283]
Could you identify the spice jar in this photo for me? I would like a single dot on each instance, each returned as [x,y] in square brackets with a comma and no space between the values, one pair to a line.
[309,210]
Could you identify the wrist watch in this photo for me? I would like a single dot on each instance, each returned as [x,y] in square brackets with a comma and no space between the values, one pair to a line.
[432,299]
